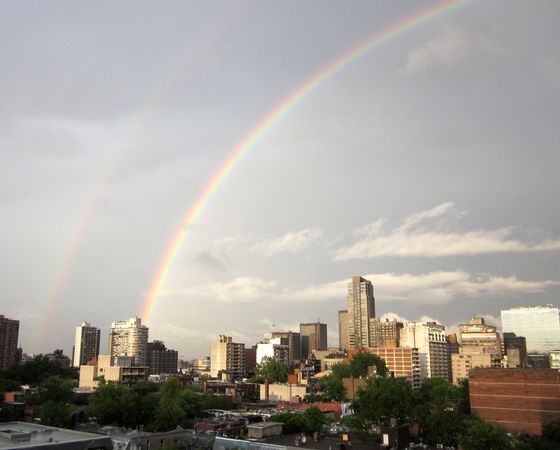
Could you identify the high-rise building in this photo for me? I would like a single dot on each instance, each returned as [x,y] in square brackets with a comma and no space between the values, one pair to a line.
[129,338]
[540,325]
[430,340]
[384,333]
[313,337]
[294,343]
[227,357]
[9,330]
[361,307]
[343,330]
[161,359]
[274,348]
[477,337]
[86,344]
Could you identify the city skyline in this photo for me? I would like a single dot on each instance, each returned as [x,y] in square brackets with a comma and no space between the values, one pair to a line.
[425,164]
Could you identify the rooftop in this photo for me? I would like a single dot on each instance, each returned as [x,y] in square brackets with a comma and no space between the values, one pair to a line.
[29,435]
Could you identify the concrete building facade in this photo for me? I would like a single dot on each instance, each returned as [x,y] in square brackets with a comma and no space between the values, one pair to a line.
[160,359]
[384,333]
[86,344]
[343,329]
[401,362]
[313,337]
[227,357]
[361,308]
[477,337]
[129,338]
[293,340]
[9,332]
[276,348]
[430,340]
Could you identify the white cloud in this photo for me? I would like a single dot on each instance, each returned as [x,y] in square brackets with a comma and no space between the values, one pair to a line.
[429,288]
[450,47]
[431,233]
[237,290]
[292,242]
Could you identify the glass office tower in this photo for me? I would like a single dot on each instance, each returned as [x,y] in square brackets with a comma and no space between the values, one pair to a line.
[540,325]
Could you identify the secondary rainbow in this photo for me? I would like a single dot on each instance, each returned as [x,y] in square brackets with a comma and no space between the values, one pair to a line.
[370,43]
[63,269]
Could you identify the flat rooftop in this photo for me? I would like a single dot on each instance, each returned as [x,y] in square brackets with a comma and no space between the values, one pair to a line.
[31,435]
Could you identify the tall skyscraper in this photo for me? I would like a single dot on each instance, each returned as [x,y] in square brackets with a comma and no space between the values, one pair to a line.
[361,307]
[129,338]
[540,325]
[227,357]
[9,330]
[86,344]
[313,337]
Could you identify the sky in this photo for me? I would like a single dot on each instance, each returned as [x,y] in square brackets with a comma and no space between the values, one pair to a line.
[428,165]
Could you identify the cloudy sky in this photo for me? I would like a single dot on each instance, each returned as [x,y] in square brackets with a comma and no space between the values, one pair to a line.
[429,165]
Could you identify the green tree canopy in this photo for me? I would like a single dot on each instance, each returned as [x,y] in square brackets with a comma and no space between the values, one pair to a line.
[481,435]
[106,403]
[314,419]
[382,399]
[443,427]
[333,389]
[360,363]
[270,368]
[170,411]
[56,414]
[56,389]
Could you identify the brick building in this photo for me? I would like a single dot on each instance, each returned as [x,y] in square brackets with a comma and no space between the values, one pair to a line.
[401,362]
[520,400]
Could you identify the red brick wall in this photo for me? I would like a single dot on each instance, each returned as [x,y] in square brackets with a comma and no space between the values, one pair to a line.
[520,400]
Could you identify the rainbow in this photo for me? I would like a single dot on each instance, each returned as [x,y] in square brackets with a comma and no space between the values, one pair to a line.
[84,221]
[370,43]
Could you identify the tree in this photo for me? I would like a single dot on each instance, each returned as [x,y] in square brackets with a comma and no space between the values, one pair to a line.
[551,431]
[333,389]
[443,427]
[313,419]
[481,435]
[382,399]
[56,389]
[341,370]
[361,362]
[292,422]
[437,394]
[106,404]
[55,414]
[170,411]
[270,368]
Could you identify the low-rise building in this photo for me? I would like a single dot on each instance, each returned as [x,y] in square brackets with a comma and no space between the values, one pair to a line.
[462,363]
[282,392]
[104,368]
[31,436]
[401,362]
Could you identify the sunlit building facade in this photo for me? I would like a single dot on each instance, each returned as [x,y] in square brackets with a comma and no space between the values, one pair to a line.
[361,308]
